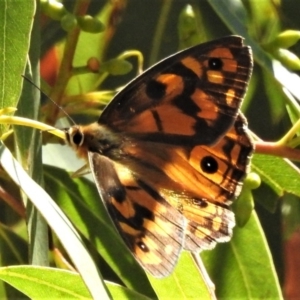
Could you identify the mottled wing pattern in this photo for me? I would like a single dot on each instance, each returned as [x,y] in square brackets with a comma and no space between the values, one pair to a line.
[223,168]
[200,181]
[151,228]
[169,152]
[190,97]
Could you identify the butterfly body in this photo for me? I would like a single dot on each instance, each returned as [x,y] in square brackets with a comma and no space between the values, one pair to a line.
[170,151]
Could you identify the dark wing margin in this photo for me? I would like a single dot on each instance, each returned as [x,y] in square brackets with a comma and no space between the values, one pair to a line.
[193,95]
[149,226]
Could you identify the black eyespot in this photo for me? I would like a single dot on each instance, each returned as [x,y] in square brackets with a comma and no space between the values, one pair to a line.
[209,165]
[118,192]
[155,89]
[77,138]
[142,246]
[215,64]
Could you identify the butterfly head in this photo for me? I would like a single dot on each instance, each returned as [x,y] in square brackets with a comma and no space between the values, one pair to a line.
[74,136]
[91,138]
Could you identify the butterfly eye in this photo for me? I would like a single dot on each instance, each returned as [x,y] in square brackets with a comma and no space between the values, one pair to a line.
[215,64]
[77,138]
[209,165]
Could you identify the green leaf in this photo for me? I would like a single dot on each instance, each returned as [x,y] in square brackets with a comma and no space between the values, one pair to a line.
[50,283]
[13,249]
[178,284]
[280,174]
[28,143]
[81,202]
[289,80]
[275,96]
[58,222]
[15,24]
[243,268]
[45,283]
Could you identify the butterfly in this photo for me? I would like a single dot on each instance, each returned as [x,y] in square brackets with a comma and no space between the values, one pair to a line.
[170,151]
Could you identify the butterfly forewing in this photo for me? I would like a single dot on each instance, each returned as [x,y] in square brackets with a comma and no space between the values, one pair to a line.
[170,151]
[190,97]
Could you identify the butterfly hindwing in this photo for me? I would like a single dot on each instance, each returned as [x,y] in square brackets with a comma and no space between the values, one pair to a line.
[191,97]
[223,167]
[151,228]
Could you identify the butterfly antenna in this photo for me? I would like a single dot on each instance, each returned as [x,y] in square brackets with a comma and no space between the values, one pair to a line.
[60,107]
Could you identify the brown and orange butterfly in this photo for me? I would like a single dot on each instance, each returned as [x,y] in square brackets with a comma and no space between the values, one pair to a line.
[170,151]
